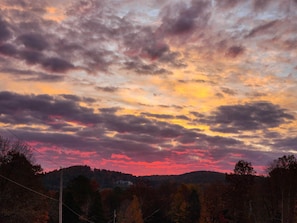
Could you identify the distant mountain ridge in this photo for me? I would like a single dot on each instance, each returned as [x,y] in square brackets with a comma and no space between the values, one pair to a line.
[195,177]
[108,179]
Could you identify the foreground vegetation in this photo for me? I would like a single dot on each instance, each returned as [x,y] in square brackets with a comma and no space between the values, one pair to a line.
[241,197]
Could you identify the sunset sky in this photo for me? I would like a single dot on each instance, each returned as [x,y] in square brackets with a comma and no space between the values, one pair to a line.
[150,86]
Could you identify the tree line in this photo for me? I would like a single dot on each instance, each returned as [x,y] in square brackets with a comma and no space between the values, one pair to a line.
[243,197]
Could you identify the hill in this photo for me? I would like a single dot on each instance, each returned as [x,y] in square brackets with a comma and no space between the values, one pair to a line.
[108,179]
[196,177]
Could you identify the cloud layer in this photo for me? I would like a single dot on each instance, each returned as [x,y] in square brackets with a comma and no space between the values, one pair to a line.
[156,87]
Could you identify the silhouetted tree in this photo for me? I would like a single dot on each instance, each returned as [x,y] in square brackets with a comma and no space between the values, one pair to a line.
[185,205]
[241,182]
[283,176]
[82,196]
[130,211]
[19,176]
[244,168]
[213,204]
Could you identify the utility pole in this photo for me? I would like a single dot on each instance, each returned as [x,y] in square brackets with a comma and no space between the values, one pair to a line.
[61,197]
[114,215]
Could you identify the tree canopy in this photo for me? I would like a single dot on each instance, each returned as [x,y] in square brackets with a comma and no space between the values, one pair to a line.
[19,178]
[243,167]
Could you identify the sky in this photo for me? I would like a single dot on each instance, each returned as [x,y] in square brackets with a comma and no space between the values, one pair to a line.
[150,86]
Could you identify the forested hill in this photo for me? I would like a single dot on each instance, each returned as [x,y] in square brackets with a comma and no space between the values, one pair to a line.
[107,178]
[197,177]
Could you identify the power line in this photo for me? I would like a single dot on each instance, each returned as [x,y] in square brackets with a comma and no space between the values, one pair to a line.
[27,188]
[48,197]
[77,214]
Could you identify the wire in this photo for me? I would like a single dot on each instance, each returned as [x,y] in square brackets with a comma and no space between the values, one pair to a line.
[80,216]
[27,188]
[43,195]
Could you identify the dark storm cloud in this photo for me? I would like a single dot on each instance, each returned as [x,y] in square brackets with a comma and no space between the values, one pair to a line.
[250,116]
[33,41]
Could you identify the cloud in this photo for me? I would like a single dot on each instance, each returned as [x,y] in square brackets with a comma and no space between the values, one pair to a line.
[31,56]
[145,69]
[109,110]
[145,45]
[228,91]
[36,109]
[261,29]
[108,89]
[180,18]
[55,64]
[137,137]
[159,116]
[33,41]
[235,51]
[165,116]
[30,75]
[285,144]
[227,4]
[8,50]
[248,117]
[261,4]
[156,51]
[193,61]
[5,33]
